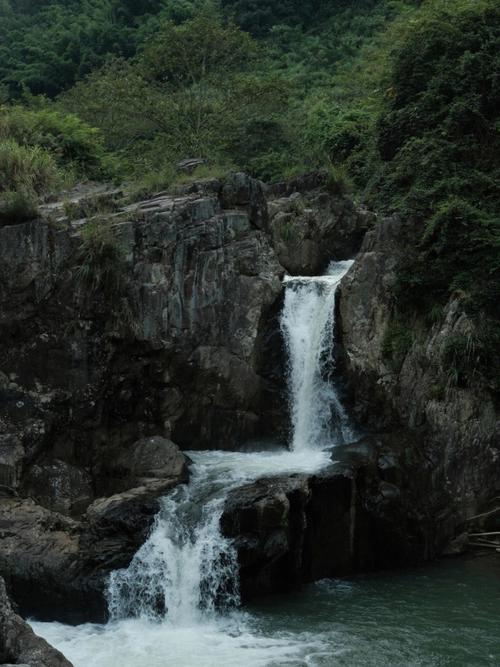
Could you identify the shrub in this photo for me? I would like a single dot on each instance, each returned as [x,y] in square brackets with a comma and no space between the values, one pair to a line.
[70,141]
[471,358]
[26,173]
[397,341]
[100,259]
[17,206]
[152,182]
[338,181]
[31,168]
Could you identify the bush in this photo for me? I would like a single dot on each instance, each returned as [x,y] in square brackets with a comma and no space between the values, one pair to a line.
[397,341]
[338,181]
[17,206]
[471,358]
[26,173]
[71,142]
[152,182]
[100,259]
[439,142]
[30,168]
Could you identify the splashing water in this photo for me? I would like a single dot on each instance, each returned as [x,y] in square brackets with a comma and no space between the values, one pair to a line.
[187,572]
[318,419]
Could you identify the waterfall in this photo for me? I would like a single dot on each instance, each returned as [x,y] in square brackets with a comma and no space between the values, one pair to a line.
[186,566]
[187,571]
[318,419]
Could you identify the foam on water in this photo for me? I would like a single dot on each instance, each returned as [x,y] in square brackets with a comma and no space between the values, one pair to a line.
[226,642]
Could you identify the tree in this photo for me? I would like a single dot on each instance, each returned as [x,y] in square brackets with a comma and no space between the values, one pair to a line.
[193,91]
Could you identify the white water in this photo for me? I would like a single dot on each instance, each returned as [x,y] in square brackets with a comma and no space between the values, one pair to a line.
[176,604]
[318,419]
[187,566]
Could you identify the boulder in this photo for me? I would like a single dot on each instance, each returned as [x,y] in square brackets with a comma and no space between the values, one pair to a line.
[241,191]
[311,226]
[189,165]
[146,461]
[19,644]
[354,516]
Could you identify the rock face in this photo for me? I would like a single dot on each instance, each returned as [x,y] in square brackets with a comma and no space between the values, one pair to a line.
[172,352]
[168,339]
[310,227]
[19,644]
[459,425]
[57,566]
[166,333]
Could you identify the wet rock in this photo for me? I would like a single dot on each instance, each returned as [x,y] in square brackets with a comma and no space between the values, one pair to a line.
[18,642]
[349,518]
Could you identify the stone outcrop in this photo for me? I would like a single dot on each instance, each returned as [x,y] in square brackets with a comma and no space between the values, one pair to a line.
[104,366]
[18,643]
[57,566]
[357,515]
[174,351]
[311,227]
[459,426]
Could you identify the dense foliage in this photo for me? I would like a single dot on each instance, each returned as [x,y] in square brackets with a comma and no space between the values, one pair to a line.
[400,100]
[439,143]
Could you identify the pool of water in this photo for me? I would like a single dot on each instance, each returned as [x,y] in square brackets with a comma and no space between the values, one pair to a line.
[443,614]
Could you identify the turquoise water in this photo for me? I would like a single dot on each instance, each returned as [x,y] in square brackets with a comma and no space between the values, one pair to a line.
[446,614]
[443,614]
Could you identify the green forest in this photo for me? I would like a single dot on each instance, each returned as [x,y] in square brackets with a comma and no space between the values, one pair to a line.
[398,99]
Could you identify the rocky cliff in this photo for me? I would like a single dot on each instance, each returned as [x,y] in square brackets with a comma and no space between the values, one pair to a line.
[18,643]
[127,326]
[412,385]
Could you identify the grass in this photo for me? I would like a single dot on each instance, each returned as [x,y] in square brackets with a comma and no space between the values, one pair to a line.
[100,259]
[397,342]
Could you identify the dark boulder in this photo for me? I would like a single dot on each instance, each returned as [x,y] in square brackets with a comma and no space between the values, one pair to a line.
[19,644]
[146,461]
[59,486]
[357,515]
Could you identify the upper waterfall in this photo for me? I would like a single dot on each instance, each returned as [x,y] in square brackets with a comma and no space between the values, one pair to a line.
[318,419]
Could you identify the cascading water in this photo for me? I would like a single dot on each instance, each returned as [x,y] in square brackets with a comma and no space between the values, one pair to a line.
[187,568]
[186,573]
[186,565]
[318,419]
